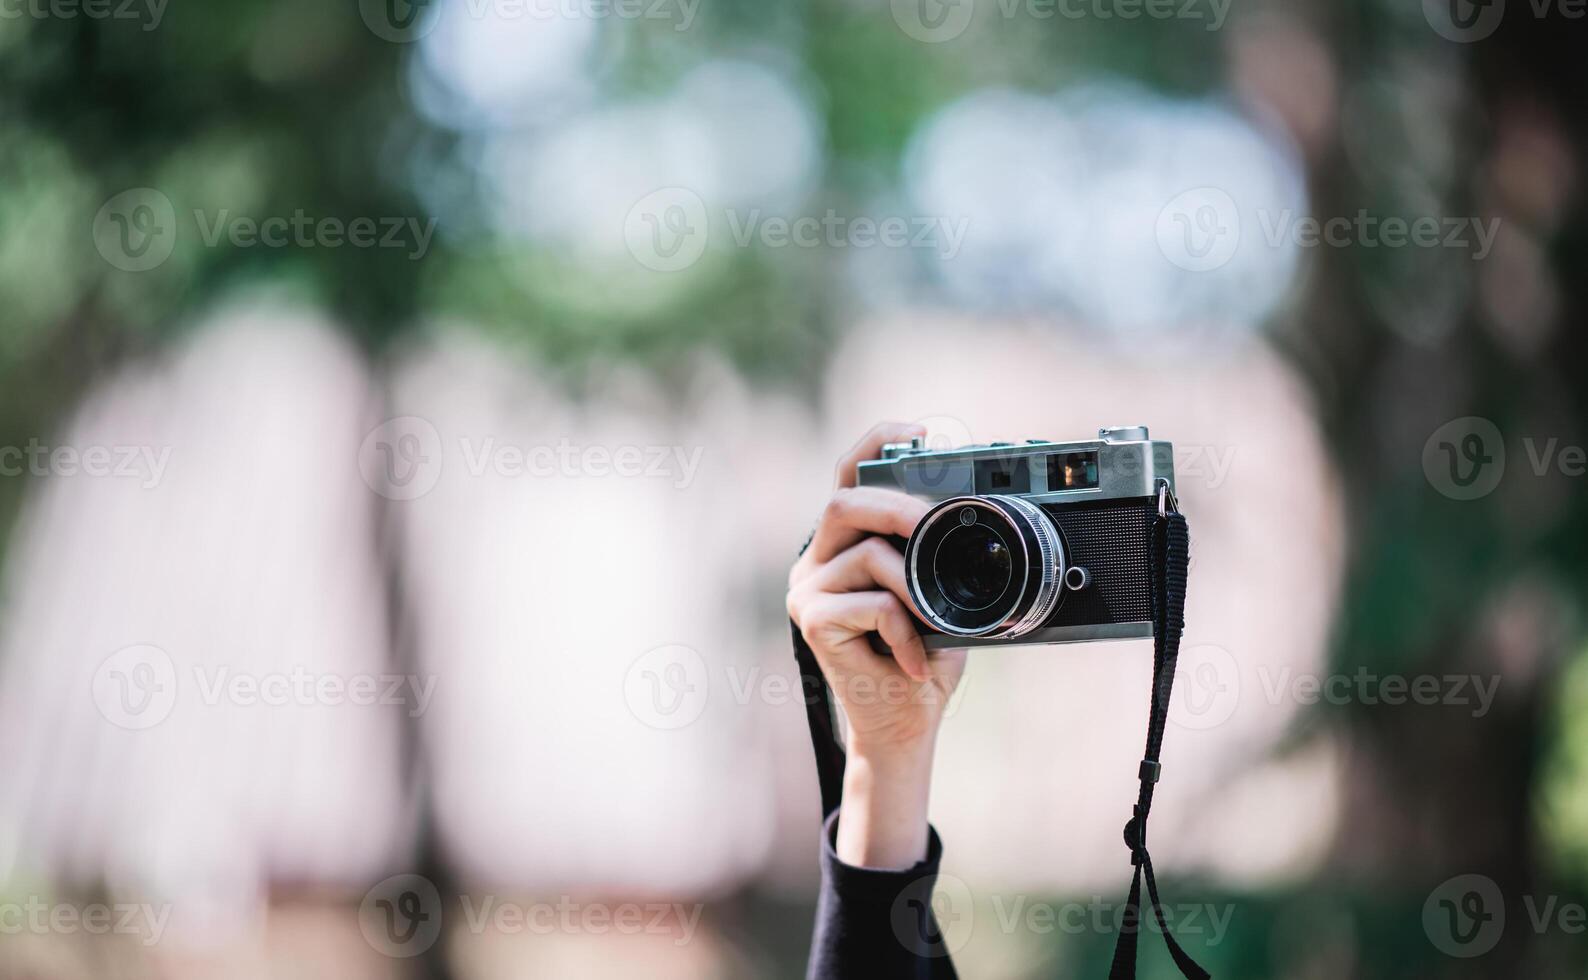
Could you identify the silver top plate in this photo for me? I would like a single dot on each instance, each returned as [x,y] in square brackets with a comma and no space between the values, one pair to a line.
[1121,462]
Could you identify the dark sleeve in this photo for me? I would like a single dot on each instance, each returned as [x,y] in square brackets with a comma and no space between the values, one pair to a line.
[877,925]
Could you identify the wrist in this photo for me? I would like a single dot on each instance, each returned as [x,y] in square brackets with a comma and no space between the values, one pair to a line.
[883,822]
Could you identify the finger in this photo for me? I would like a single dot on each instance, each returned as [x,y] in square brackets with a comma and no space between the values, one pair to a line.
[856,512]
[831,621]
[870,447]
[863,568]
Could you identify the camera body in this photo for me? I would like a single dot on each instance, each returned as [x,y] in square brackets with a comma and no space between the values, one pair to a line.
[1033,542]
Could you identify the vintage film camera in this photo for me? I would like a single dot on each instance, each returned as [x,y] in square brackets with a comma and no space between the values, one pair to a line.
[1034,542]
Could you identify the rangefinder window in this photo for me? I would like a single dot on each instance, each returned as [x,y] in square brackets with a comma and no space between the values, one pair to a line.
[1072,471]
[1003,474]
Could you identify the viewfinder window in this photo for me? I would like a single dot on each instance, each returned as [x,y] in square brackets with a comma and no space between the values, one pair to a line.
[1072,471]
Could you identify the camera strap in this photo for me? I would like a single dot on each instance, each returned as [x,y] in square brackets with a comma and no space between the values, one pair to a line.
[1170,557]
[1169,544]
[823,722]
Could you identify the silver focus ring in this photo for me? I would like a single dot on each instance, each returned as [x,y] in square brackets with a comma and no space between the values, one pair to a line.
[1051,560]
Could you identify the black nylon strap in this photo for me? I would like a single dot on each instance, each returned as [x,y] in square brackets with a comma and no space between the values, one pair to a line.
[1170,549]
[819,716]
[1170,557]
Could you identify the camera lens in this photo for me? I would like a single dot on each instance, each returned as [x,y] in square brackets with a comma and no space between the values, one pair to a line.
[973,566]
[985,566]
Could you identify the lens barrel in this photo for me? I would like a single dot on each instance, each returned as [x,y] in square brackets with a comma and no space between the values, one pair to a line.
[985,566]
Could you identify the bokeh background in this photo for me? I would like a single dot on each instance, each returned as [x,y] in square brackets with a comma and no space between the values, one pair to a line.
[408,414]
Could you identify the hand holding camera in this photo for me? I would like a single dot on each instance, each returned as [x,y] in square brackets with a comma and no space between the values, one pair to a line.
[848,585]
